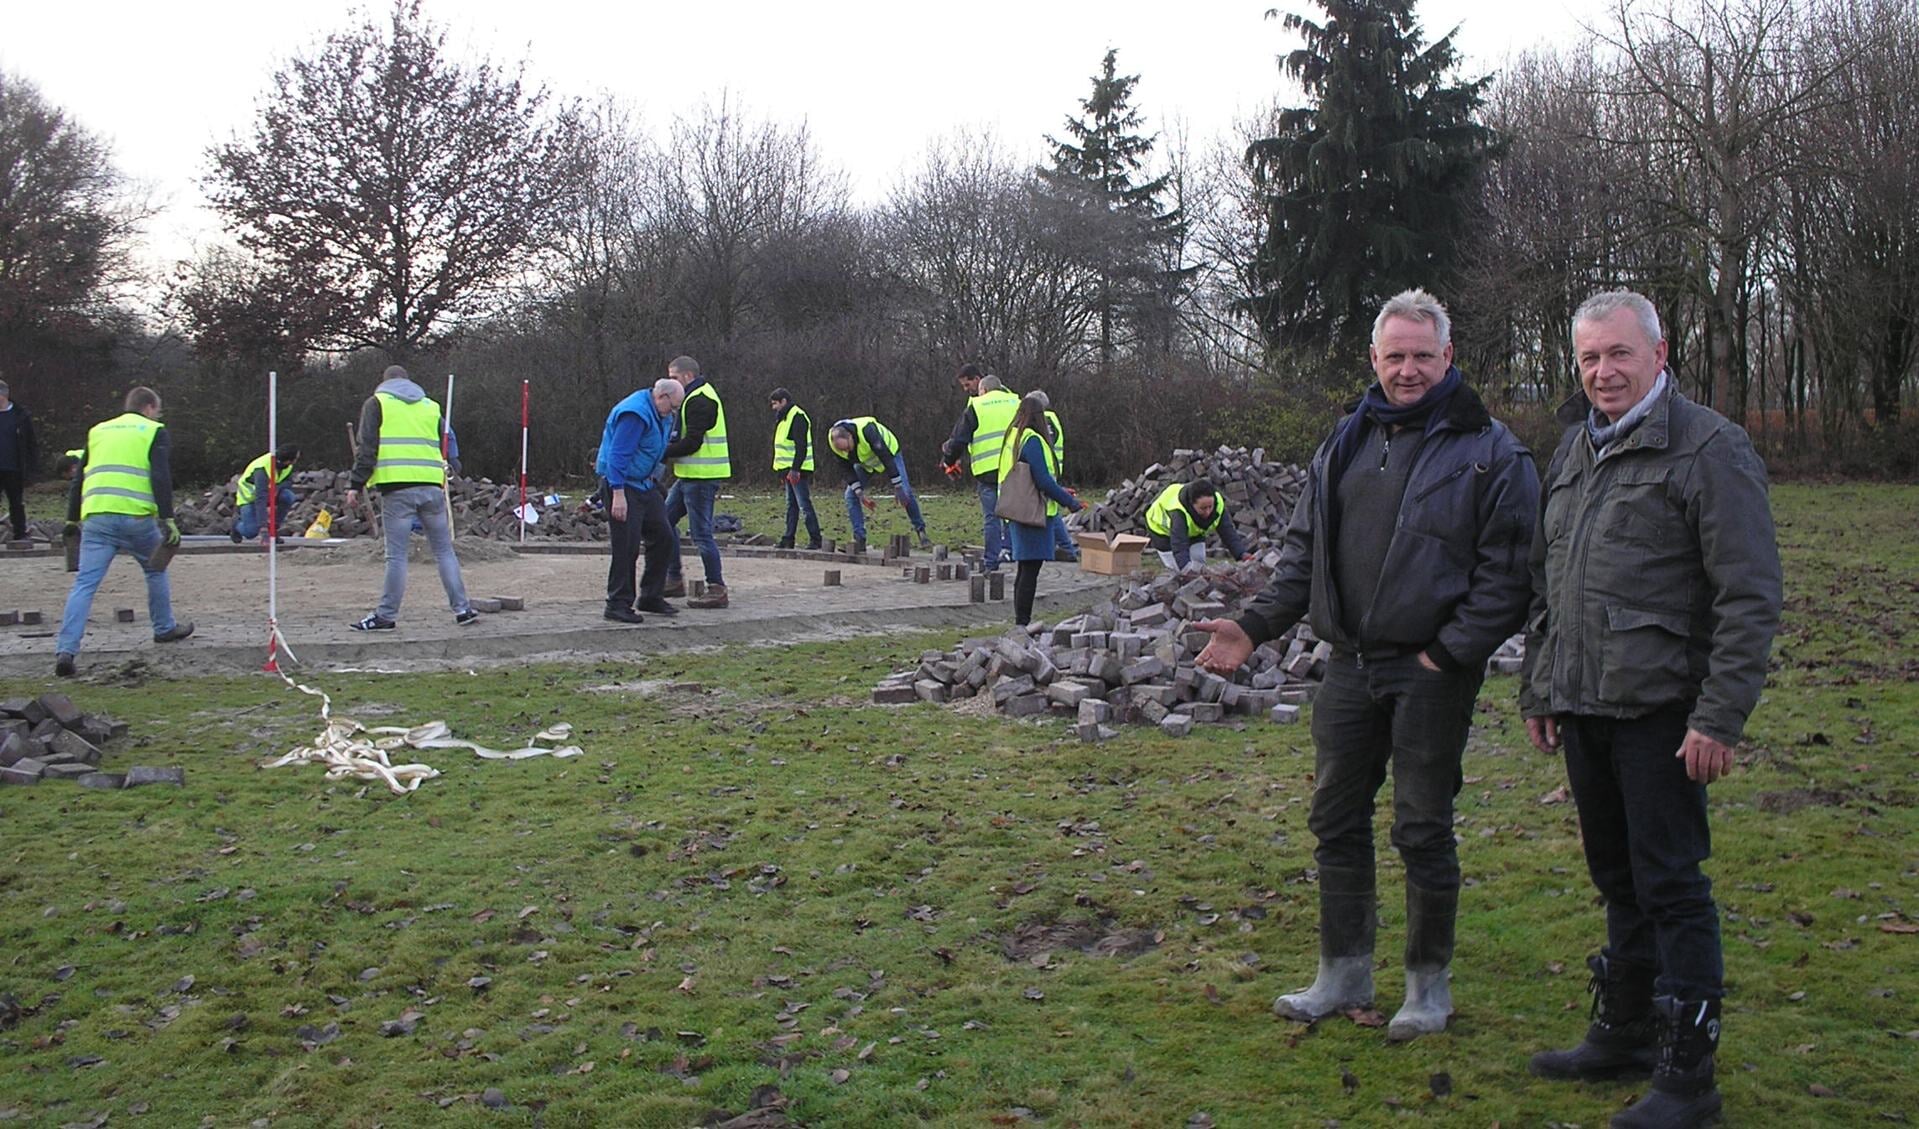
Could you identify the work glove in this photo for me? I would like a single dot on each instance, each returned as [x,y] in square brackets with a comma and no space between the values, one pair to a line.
[173,531]
[952,469]
[792,478]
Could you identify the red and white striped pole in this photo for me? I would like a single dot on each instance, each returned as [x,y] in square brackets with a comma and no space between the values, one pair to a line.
[276,642]
[525,398]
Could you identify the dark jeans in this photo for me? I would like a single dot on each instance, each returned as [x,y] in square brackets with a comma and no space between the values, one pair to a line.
[1644,828]
[15,483]
[1370,714]
[799,500]
[252,518]
[645,529]
[693,499]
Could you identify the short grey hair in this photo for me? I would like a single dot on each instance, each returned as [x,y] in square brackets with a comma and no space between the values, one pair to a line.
[1415,305]
[684,364]
[666,385]
[990,384]
[1609,302]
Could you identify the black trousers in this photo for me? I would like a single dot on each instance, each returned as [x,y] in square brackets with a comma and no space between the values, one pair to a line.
[15,483]
[1374,715]
[1025,587]
[644,530]
[1643,824]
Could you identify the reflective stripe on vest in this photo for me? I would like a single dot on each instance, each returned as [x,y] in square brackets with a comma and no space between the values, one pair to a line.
[992,414]
[1009,454]
[409,452]
[863,450]
[783,451]
[246,492]
[712,459]
[119,471]
[1159,515]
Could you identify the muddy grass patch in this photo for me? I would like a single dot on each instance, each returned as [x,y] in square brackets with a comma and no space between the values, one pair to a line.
[1102,937]
[1798,799]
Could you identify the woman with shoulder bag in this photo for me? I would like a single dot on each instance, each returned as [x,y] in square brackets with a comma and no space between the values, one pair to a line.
[1028,465]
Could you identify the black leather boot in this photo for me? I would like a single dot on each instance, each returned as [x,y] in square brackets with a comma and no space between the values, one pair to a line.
[1623,1038]
[1682,1094]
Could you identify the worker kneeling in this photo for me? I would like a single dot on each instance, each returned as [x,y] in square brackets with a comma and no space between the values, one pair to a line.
[1181,517]
[250,498]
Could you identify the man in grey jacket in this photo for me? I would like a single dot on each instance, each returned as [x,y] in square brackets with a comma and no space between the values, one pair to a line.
[1656,593]
[1408,551]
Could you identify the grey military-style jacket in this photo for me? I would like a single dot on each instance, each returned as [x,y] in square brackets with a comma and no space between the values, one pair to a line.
[1655,572]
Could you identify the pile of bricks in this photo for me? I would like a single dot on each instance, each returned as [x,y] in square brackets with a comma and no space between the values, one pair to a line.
[48,738]
[1259,495]
[1129,660]
[481,508]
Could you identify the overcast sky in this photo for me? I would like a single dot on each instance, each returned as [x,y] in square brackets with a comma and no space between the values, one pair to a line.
[875,81]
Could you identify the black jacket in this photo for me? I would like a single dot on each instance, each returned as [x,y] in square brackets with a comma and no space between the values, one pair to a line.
[1456,582]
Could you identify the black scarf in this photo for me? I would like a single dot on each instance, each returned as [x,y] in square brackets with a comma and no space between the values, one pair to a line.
[1376,410]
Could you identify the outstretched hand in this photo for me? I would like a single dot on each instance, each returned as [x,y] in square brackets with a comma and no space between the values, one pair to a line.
[1229,649]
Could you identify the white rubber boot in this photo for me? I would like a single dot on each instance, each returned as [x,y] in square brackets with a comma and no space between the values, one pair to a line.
[1343,983]
[1428,1007]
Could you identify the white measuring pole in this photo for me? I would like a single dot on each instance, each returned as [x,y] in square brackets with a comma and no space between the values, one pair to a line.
[446,455]
[525,394]
[273,517]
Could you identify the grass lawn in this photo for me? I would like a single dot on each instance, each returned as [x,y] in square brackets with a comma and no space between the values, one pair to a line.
[753,879]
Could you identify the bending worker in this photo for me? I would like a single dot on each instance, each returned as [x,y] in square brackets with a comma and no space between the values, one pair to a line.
[868,451]
[975,444]
[1181,517]
[250,498]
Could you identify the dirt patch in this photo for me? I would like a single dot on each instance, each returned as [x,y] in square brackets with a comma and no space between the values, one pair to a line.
[1798,799]
[363,549]
[1102,938]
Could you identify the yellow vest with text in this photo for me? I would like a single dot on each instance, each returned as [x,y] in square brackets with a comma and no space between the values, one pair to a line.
[783,448]
[119,470]
[712,459]
[409,453]
[1159,515]
[246,492]
[992,414]
[1009,454]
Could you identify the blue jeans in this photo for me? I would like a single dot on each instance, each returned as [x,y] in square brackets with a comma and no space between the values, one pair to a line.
[252,517]
[102,537]
[1373,714]
[992,529]
[856,515]
[799,500]
[1061,538]
[692,499]
[1643,824]
[399,510]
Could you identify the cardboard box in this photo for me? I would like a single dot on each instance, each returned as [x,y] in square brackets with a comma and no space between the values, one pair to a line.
[1109,554]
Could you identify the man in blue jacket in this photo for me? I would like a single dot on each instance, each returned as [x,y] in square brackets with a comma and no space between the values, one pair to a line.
[630,451]
[1408,552]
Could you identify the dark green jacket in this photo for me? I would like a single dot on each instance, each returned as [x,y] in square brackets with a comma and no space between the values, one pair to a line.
[1655,573]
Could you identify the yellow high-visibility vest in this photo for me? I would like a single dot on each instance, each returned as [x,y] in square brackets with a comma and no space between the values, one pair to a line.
[409,452]
[246,493]
[119,470]
[783,452]
[713,459]
[992,414]
[1159,515]
[1059,437]
[863,452]
[1009,454]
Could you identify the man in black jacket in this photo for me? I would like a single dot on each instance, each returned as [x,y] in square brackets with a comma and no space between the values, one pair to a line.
[1408,551]
[18,454]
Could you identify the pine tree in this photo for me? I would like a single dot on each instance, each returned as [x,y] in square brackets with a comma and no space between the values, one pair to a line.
[1367,186]
[1106,219]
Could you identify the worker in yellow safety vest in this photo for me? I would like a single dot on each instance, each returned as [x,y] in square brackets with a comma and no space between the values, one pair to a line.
[793,462]
[974,447]
[1180,518]
[121,501]
[268,473]
[870,455]
[1064,548]
[701,461]
[401,445]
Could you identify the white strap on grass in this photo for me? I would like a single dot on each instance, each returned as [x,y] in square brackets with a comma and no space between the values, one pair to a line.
[350,749]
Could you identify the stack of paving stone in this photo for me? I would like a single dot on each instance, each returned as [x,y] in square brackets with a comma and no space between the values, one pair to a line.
[48,738]
[1259,495]
[1128,661]
[481,508]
